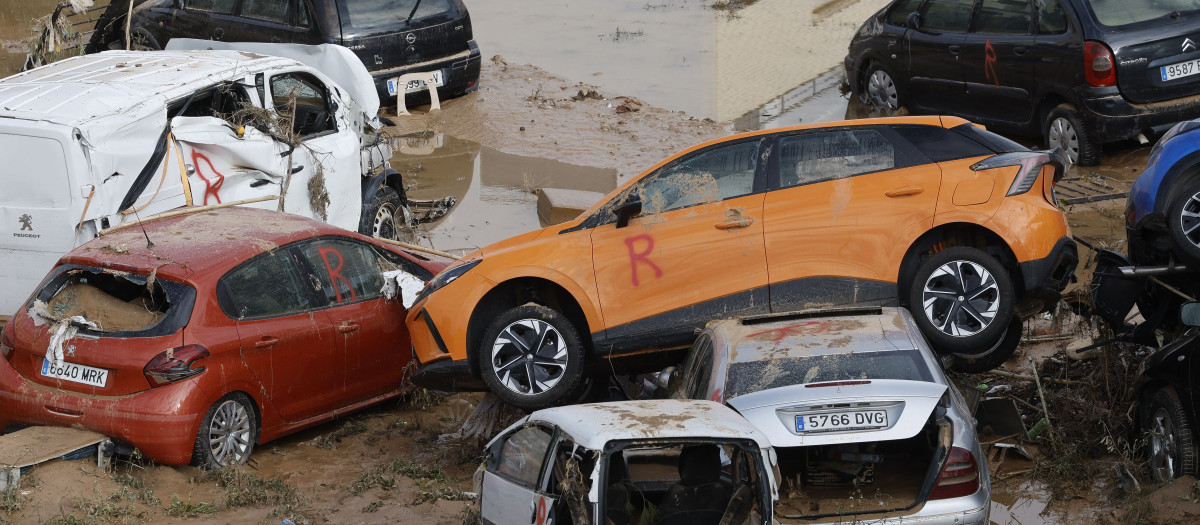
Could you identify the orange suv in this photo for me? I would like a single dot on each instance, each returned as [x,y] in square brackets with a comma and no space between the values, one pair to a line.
[934,213]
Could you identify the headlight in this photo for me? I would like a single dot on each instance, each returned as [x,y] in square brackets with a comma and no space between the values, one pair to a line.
[446,277]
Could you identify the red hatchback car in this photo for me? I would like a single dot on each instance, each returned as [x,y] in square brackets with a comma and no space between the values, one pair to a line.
[196,337]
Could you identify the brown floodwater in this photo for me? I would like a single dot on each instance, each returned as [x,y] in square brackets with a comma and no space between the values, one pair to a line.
[16,23]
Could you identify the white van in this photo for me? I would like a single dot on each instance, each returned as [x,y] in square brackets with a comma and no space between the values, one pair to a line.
[95,141]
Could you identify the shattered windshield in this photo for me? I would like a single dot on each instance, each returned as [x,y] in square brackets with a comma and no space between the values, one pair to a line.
[1120,13]
[114,302]
[755,376]
[367,14]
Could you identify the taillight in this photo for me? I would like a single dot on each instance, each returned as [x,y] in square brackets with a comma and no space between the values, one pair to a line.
[175,365]
[6,341]
[1031,164]
[960,476]
[1098,65]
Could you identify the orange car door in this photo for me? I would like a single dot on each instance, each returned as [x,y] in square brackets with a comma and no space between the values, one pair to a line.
[849,203]
[288,345]
[695,253]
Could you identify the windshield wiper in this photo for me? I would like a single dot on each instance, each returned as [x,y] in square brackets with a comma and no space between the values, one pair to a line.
[412,13]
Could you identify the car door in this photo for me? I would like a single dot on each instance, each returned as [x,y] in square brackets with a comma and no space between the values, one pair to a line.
[998,61]
[514,478]
[276,21]
[849,203]
[287,341]
[327,153]
[1057,39]
[934,50]
[694,253]
[376,347]
[203,19]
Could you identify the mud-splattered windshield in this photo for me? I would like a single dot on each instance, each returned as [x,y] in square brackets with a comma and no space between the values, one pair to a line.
[744,378]
[1120,13]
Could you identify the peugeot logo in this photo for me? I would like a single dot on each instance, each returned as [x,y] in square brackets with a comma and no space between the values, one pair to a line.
[26,221]
[411,37]
[1188,45]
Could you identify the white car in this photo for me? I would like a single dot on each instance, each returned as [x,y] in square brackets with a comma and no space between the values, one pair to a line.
[864,422]
[96,141]
[654,461]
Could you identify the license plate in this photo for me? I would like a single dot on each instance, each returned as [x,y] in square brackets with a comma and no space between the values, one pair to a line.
[87,375]
[414,85]
[1180,70]
[841,421]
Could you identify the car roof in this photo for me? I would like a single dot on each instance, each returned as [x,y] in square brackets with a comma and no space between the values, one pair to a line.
[79,89]
[594,425]
[190,246]
[819,332]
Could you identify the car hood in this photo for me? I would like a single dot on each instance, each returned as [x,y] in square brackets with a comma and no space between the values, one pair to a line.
[908,405]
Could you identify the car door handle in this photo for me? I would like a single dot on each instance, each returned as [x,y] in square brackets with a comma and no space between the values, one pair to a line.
[1019,51]
[218,33]
[266,342]
[734,224]
[904,192]
[954,49]
[347,327]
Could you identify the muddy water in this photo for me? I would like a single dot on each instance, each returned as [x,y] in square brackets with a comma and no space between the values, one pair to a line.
[16,20]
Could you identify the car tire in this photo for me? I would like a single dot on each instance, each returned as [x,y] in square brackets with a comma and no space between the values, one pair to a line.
[1183,221]
[994,356]
[227,433]
[1169,442]
[1064,129]
[880,90]
[385,216]
[962,299]
[531,357]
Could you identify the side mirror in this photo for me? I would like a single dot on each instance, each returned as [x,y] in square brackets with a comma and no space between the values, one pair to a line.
[1189,314]
[913,20]
[628,209]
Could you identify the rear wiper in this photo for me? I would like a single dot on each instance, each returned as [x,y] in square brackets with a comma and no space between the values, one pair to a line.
[412,13]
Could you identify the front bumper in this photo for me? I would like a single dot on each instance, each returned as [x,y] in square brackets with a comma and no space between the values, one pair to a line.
[1111,118]
[447,376]
[1049,275]
[161,422]
[460,74]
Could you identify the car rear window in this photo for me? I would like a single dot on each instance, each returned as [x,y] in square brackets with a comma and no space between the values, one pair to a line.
[367,14]
[963,142]
[755,376]
[1122,13]
[119,304]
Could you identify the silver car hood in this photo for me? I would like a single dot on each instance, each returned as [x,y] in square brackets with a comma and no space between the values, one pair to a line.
[907,404]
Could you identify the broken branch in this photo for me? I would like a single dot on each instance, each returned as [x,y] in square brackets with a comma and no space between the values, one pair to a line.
[1041,395]
[416,248]
[1002,373]
[186,211]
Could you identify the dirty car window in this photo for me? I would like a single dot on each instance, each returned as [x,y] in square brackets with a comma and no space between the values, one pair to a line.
[381,13]
[818,157]
[522,455]
[713,175]
[268,285]
[1118,13]
[215,6]
[347,271]
[744,378]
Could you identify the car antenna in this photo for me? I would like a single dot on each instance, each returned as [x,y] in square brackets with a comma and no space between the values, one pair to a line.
[149,245]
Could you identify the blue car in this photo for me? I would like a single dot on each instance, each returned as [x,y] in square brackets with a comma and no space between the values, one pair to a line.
[1162,214]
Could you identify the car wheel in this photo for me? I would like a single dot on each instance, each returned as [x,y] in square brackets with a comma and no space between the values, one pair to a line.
[385,216]
[994,356]
[962,299]
[1168,436]
[1183,221]
[1065,130]
[532,357]
[882,91]
[227,433]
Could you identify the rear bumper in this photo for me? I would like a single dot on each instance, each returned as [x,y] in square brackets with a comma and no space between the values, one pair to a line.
[1112,118]
[460,74]
[1052,273]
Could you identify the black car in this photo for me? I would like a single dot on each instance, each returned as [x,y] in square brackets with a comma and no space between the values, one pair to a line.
[391,37]
[1080,73]
[1169,386]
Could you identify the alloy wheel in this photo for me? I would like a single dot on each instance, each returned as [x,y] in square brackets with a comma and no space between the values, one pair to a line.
[229,435]
[1062,134]
[384,225]
[529,356]
[881,90]
[1189,220]
[961,298]
[1162,446]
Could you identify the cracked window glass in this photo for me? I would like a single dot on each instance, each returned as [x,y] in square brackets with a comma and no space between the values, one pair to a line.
[347,271]
[266,286]
[818,157]
[713,175]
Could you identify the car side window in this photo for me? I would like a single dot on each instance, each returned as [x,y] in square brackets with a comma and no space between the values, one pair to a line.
[703,370]
[1003,17]
[302,17]
[1051,18]
[224,7]
[312,113]
[346,271]
[817,157]
[267,10]
[900,10]
[712,175]
[266,286]
[520,455]
[947,15]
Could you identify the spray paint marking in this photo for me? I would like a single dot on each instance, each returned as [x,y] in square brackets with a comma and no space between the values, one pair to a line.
[989,63]
[643,256]
[542,511]
[810,327]
[335,273]
[211,186]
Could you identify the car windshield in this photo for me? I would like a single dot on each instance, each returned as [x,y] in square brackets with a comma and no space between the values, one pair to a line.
[1120,13]
[755,376]
[367,14]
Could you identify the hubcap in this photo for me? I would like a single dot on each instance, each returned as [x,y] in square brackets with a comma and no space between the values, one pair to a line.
[385,222]
[961,298]
[1162,446]
[229,435]
[1189,220]
[882,91]
[529,356]
[1062,135]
